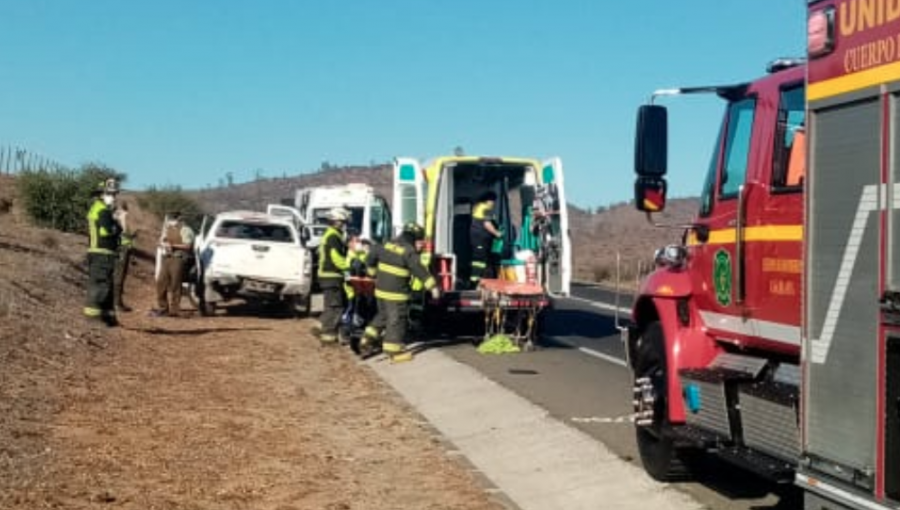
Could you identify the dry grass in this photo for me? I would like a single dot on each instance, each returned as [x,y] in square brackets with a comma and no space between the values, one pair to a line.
[230,412]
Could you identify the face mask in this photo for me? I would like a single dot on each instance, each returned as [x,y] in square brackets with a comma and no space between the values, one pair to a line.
[109,199]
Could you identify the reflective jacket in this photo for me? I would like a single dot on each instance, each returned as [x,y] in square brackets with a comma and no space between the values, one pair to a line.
[393,265]
[333,260]
[102,229]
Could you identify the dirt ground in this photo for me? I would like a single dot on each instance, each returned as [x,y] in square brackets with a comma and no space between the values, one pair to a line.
[228,412]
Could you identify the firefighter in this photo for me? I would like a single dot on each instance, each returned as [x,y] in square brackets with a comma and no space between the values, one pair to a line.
[333,264]
[176,241]
[482,233]
[394,265]
[104,235]
[123,261]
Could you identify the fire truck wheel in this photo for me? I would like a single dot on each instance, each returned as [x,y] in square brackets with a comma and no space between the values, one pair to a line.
[662,459]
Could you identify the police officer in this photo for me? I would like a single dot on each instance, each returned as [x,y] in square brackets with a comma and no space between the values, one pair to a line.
[177,242]
[104,233]
[333,264]
[394,265]
[482,233]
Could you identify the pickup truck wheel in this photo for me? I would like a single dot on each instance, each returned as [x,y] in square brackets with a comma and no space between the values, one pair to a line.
[189,291]
[662,458]
[303,306]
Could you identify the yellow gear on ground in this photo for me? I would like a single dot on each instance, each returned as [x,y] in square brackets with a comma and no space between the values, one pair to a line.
[401,357]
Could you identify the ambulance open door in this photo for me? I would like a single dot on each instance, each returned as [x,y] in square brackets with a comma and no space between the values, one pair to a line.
[408,203]
[559,247]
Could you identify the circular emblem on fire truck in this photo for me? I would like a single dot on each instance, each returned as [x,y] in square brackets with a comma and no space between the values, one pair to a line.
[722,277]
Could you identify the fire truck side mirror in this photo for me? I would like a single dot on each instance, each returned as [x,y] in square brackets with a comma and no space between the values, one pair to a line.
[651,141]
[650,194]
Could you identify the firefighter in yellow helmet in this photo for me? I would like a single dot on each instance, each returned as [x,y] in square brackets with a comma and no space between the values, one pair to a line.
[104,234]
[394,265]
[333,263]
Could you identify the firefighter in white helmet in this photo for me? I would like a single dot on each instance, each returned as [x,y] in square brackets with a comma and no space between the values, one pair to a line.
[333,263]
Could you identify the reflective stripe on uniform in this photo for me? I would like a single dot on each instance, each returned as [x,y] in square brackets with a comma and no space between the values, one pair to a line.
[395,248]
[372,332]
[479,264]
[394,270]
[90,311]
[391,296]
[391,347]
[102,251]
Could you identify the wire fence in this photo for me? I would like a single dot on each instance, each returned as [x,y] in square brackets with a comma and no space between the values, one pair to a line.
[14,160]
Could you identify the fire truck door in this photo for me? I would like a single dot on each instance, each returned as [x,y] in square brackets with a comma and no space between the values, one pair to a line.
[716,258]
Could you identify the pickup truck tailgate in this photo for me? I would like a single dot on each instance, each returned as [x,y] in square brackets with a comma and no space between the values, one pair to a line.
[258,259]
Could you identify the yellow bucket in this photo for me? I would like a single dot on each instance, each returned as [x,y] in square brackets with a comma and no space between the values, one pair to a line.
[508,270]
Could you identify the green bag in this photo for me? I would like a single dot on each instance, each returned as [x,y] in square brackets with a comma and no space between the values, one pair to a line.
[498,344]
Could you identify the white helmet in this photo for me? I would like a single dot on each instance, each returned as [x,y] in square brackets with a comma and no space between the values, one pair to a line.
[337,214]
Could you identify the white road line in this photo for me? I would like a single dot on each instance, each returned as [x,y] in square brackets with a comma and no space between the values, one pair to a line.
[601,305]
[591,352]
[605,357]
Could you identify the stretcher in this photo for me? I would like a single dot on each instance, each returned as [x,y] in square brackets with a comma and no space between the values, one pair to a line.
[513,309]
[361,309]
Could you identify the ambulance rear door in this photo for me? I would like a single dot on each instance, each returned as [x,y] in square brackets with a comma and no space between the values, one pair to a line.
[409,202]
[559,249]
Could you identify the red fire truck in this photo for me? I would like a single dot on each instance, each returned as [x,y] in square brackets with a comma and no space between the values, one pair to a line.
[771,336]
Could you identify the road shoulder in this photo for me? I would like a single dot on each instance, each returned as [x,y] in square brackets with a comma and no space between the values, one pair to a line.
[537,461]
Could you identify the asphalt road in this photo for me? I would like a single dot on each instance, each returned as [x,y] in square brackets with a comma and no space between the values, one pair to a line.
[579,376]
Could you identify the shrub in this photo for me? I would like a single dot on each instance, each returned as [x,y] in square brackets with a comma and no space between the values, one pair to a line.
[602,273]
[59,199]
[161,201]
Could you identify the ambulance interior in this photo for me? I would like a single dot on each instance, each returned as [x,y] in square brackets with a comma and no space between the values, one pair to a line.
[460,188]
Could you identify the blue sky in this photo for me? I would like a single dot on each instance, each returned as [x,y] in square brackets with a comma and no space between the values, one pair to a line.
[182,92]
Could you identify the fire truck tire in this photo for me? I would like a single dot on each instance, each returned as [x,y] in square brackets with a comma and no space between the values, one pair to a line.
[662,458]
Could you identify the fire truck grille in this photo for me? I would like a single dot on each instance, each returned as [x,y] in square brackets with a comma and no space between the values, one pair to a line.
[713,412]
[770,427]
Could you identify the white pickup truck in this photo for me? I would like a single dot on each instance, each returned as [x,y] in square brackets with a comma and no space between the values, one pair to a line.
[253,256]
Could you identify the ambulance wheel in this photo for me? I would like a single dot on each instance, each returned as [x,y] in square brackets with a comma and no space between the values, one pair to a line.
[662,458]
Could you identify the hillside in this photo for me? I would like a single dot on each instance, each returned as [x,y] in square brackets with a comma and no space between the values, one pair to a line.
[597,237]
